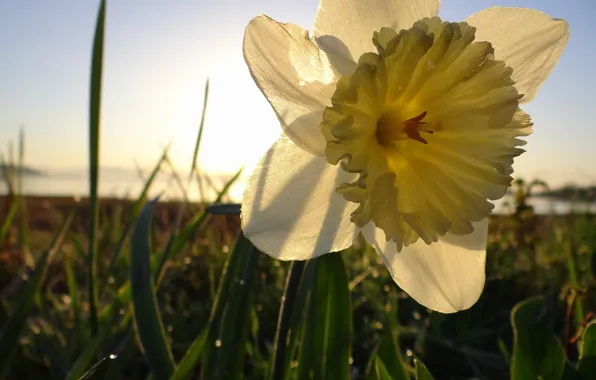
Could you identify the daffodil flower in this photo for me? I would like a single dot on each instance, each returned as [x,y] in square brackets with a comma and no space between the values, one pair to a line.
[397,125]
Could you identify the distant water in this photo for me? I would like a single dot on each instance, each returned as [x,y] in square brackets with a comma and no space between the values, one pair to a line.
[122,183]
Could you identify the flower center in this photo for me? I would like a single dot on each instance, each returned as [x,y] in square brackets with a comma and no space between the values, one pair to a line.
[431,124]
[387,131]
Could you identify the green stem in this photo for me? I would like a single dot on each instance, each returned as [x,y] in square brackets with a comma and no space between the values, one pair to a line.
[283,322]
[573,279]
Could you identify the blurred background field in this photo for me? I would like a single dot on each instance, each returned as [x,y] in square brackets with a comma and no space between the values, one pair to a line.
[552,254]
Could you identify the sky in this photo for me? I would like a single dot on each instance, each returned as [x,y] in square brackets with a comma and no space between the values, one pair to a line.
[158,55]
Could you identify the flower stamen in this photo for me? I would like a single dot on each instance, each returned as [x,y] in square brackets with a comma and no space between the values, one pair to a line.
[412,128]
[388,132]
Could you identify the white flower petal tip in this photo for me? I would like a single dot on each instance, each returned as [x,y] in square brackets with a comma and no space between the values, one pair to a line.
[352,22]
[528,40]
[447,276]
[290,209]
[295,76]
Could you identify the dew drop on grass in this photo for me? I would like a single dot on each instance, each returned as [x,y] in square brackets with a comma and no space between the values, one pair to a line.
[113,356]
[218,343]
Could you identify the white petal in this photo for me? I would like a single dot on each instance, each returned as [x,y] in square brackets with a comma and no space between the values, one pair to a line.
[529,41]
[295,76]
[290,209]
[446,276]
[346,26]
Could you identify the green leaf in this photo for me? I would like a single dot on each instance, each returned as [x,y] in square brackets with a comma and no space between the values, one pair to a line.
[94,140]
[229,324]
[422,372]
[327,340]
[537,353]
[587,363]
[11,329]
[146,315]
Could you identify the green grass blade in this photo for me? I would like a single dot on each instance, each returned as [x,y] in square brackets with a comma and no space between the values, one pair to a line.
[228,184]
[222,193]
[229,324]
[422,372]
[94,148]
[191,358]
[121,357]
[198,144]
[327,340]
[208,182]
[177,240]
[14,206]
[146,315]
[299,315]
[11,330]
[123,295]
[7,173]
[201,127]
[79,369]
[175,244]
[280,343]
[378,371]
[178,180]
[23,230]
[75,306]
[388,352]
[133,214]
[136,207]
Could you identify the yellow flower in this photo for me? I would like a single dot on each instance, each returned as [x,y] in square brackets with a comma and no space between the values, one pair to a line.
[399,125]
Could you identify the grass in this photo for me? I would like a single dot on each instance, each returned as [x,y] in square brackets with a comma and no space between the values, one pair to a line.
[528,255]
[112,288]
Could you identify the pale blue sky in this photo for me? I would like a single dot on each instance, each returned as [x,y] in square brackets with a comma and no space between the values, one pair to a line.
[159,53]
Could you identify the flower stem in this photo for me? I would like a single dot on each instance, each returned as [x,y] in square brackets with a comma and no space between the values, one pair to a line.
[283,321]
